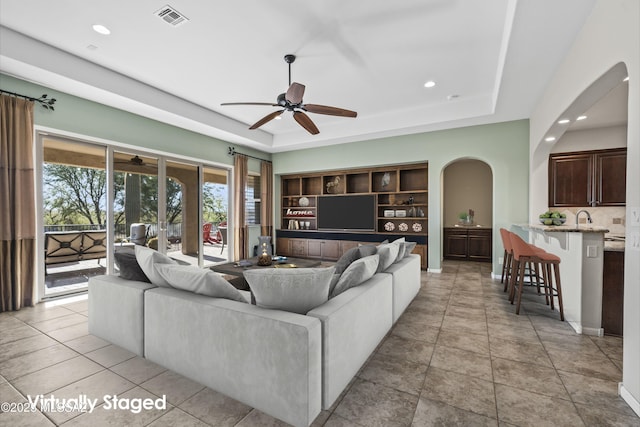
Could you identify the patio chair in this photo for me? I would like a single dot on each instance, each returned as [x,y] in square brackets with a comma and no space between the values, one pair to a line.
[206,233]
[223,234]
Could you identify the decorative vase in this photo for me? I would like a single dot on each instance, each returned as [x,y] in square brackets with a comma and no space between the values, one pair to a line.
[264,258]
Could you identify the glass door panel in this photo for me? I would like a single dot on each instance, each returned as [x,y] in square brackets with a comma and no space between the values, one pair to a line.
[73,214]
[183,220]
[135,202]
[215,208]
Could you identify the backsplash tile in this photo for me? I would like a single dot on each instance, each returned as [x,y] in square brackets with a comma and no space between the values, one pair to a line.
[612,217]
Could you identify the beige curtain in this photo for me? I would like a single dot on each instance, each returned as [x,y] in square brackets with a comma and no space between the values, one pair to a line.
[240,231]
[266,199]
[17,221]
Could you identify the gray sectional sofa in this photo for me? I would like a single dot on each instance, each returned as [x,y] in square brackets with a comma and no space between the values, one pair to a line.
[285,364]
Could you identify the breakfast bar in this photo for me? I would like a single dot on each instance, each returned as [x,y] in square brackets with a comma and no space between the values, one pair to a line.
[581,250]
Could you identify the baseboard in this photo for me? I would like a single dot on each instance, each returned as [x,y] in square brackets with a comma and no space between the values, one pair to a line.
[434,270]
[596,332]
[628,397]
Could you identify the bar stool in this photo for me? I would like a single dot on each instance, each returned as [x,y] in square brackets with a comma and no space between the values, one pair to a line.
[523,253]
[531,268]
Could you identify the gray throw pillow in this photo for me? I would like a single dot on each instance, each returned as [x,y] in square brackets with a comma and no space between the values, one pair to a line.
[297,290]
[356,274]
[367,250]
[346,259]
[388,253]
[129,267]
[198,280]
[148,258]
[408,248]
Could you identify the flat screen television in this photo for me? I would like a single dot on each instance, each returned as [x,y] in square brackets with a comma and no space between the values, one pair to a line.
[348,212]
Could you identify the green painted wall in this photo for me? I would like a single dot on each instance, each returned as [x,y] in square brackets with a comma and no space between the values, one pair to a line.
[87,118]
[503,146]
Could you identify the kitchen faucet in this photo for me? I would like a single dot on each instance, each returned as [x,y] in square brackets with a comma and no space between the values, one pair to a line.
[588,217]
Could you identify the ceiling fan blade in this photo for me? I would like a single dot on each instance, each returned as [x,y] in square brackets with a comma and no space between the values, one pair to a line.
[250,103]
[305,122]
[266,119]
[331,111]
[295,93]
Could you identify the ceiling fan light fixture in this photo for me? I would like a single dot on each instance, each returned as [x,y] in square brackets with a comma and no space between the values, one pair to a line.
[563,121]
[581,117]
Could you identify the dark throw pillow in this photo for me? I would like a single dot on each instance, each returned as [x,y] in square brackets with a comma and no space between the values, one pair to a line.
[129,267]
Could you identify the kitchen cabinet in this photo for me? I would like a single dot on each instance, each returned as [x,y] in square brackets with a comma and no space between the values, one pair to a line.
[588,178]
[613,293]
[468,244]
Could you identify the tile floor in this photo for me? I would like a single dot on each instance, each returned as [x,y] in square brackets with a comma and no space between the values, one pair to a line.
[458,356]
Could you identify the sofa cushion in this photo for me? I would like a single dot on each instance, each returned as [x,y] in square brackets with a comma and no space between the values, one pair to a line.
[198,280]
[388,253]
[148,259]
[346,259]
[129,267]
[297,290]
[408,248]
[357,273]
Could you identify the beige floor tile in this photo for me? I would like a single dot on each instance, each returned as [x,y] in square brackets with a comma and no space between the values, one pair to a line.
[56,376]
[116,415]
[406,327]
[462,361]
[432,413]
[462,391]
[176,387]
[530,377]
[17,333]
[592,365]
[258,418]
[338,421]
[524,408]
[40,313]
[110,355]
[59,322]
[215,408]
[595,392]
[8,321]
[95,386]
[35,361]
[28,419]
[466,325]
[513,333]
[176,417]
[372,404]
[137,370]
[86,343]
[401,375]
[476,342]
[403,349]
[574,343]
[70,332]
[78,307]
[472,313]
[597,416]
[26,345]
[519,351]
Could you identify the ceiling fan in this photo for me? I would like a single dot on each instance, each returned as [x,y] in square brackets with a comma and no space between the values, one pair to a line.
[135,161]
[292,101]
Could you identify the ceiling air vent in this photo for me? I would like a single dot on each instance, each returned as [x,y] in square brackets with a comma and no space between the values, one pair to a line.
[171,16]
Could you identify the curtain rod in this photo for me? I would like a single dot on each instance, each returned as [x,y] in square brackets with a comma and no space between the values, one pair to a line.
[233,152]
[47,103]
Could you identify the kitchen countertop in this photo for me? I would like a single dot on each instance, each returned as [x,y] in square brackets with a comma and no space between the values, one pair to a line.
[479,227]
[565,228]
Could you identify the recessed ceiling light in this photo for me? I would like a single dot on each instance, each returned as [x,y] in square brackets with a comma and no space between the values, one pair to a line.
[430,83]
[626,79]
[581,117]
[563,121]
[101,29]
[278,118]
[550,138]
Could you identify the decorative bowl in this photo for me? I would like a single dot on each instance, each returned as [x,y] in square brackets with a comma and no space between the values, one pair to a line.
[552,221]
[303,201]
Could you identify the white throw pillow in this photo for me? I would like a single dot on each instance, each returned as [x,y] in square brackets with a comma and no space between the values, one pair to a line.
[198,280]
[297,290]
[401,242]
[388,253]
[408,248]
[358,272]
[147,259]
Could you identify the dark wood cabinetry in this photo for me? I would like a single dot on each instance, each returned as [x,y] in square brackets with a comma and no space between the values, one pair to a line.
[588,178]
[472,244]
[613,293]
[400,204]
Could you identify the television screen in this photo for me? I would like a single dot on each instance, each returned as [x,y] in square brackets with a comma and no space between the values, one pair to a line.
[356,212]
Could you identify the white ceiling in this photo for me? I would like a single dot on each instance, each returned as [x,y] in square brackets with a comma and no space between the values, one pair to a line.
[494,56]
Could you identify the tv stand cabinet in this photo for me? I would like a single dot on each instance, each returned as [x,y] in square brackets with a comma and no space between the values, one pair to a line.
[401,207]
